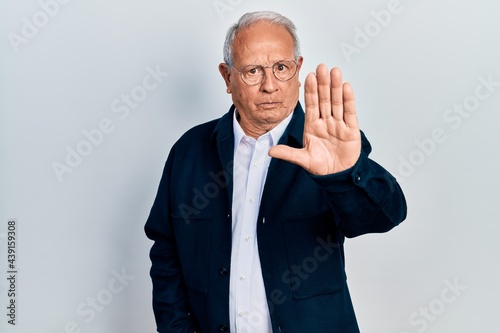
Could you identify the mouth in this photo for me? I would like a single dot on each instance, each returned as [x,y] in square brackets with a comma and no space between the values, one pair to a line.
[269,105]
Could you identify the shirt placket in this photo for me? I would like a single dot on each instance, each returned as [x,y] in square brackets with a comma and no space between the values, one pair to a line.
[248,242]
[245,256]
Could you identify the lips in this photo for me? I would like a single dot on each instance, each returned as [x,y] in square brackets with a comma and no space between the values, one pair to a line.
[269,104]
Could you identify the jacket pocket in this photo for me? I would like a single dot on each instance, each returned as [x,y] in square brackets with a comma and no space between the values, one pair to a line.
[193,246]
[315,256]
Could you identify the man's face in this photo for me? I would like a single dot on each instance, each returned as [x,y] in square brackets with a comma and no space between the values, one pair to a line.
[263,106]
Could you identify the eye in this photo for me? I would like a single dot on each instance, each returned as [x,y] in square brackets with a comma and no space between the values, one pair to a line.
[252,71]
[281,67]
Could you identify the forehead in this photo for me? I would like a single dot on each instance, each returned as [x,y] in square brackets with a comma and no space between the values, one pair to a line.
[262,43]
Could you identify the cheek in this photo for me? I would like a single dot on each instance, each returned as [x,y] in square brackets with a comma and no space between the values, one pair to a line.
[243,96]
[292,91]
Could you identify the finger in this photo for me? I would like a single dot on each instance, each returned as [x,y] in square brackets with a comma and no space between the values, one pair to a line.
[286,153]
[337,94]
[349,106]
[311,97]
[325,104]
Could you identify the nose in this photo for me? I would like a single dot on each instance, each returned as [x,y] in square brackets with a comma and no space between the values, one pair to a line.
[269,83]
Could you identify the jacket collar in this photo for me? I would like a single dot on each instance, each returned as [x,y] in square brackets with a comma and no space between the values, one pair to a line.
[224,128]
[294,132]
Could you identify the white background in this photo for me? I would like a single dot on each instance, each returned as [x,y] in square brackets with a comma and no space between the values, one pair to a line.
[78,230]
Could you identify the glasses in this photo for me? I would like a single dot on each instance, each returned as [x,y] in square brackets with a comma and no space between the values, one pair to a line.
[283,70]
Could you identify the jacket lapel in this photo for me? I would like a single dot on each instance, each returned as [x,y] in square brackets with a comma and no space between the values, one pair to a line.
[223,138]
[281,173]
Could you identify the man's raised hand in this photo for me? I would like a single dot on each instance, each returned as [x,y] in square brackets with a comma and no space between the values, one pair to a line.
[332,141]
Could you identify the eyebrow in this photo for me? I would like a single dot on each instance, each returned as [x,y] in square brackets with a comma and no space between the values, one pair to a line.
[274,61]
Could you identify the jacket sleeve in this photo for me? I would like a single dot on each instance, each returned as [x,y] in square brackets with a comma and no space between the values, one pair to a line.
[170,299]
[366,198]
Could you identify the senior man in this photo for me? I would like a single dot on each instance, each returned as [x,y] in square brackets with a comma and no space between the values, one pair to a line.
[252,209]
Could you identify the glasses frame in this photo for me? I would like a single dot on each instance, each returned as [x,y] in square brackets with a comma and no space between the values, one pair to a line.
[263,71]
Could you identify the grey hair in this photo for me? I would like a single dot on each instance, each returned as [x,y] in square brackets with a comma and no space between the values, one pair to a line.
[250,18]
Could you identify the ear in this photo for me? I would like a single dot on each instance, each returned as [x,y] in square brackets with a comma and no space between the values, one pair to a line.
[225,71]
[299,63]
[299,66]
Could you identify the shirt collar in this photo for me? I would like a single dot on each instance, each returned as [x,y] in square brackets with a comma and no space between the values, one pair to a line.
[275,133]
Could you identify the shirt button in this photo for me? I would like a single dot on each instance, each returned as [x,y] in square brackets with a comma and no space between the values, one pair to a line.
[242,278]
[241,314]
[256,164]
[247,238]
[252,200]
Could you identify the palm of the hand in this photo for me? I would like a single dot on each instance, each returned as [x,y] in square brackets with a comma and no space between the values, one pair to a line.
[331,146]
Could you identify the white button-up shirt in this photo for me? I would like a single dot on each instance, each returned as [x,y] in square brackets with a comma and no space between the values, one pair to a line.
[249,312]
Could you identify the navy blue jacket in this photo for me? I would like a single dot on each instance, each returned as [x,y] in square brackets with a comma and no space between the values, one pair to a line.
[302,222]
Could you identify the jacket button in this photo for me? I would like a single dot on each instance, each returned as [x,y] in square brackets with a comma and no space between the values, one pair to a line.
[223,271]
[223,328]
[357,178]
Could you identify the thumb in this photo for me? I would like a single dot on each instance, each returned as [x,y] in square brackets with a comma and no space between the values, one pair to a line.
[286,153]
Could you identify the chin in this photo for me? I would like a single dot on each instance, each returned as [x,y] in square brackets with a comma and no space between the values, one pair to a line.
[273,116]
